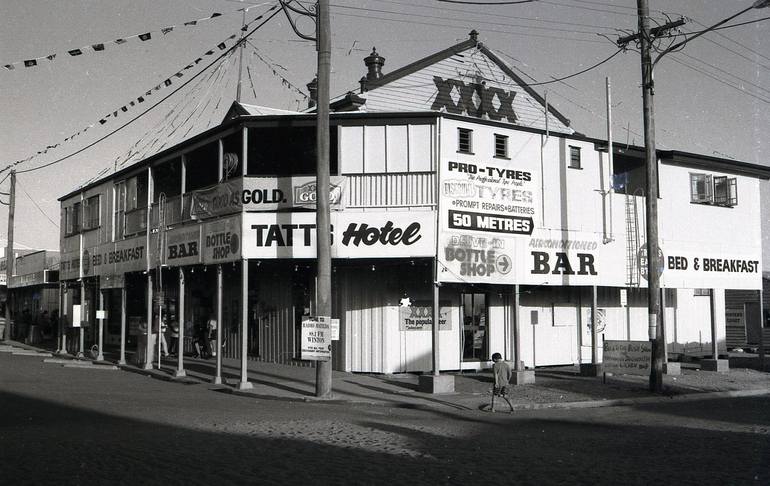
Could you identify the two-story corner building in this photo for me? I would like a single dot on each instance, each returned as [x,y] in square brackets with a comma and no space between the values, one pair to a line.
[450,171]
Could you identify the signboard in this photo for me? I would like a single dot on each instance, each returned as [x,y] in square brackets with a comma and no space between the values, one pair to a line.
[316,342]
[69,266]
[384,234]
[183,246]
[221,240]
[101,314]
[418,316]
[223,198]
[627,357]
[334,325]
[277,193]
[728,267]
[117,258]
[76,315]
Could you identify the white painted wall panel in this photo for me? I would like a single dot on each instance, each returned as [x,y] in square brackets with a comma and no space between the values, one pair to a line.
[421,148]
[397,141]
[351,150]
[374,149]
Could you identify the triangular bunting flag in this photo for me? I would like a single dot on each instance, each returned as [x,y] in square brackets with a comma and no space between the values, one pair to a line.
[167,82]
[166,30]
[208,53]
[124,108]
[102,121]
[192,22]
[50,57]
[120,41]
[145,37]
[30,63]
[9,67]
[98,47]
[215,14]
[140,99]
[75,52]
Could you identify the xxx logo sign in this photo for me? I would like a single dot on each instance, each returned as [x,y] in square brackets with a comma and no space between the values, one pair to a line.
[483,103]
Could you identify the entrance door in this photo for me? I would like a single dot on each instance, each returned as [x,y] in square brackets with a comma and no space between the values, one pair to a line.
[753,324]
[475,327]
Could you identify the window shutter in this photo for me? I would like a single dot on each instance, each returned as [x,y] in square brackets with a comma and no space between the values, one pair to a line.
[732,191]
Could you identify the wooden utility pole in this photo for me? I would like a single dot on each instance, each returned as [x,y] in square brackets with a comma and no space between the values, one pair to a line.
[323,388]
[651,161]
[9,260]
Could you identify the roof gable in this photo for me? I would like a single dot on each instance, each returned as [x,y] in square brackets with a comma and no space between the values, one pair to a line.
[466,79]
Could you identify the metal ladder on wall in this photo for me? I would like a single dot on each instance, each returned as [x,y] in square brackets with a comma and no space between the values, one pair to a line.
[632,241]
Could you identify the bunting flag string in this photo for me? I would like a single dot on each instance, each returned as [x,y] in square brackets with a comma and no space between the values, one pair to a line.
[101,46]
[273,66]
[125,108]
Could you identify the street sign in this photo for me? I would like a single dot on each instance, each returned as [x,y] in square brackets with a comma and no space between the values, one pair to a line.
[76,315]
[316,339]
[101,314]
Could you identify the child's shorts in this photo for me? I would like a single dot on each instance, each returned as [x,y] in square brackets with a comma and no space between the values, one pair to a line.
[500,391]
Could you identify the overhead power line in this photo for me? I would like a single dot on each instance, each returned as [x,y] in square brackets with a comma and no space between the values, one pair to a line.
[36,205]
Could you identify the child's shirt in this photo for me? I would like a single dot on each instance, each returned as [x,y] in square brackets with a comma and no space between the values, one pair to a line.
[502,372]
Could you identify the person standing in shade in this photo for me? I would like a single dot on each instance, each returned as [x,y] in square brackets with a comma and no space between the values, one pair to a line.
[211,335]
[501,372]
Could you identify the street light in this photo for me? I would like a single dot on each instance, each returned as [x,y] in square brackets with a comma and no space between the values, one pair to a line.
[651,160]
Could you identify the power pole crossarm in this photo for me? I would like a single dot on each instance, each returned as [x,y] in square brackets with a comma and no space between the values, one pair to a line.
[654,32]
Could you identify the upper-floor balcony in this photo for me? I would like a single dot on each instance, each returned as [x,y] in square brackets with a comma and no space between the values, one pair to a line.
[352,191]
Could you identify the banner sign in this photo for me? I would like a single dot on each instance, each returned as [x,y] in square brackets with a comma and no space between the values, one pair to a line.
[384,234]
[223,198]
[316,339]
[627,357]
[419,316]
[117,258]
[276,193]
[221,240]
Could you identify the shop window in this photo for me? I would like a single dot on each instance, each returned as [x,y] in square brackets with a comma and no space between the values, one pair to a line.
[701,292]
[91,213]
[465,140]
[713,190]
[501,146]
[574,158]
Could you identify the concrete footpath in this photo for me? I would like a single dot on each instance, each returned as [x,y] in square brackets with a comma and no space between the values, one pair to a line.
[557,387]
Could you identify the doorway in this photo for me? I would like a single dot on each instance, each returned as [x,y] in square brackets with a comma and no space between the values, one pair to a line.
[475,337]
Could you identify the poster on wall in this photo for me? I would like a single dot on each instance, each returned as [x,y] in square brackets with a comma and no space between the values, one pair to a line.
[627,357]
[383,234]
[316,337]
[418,316]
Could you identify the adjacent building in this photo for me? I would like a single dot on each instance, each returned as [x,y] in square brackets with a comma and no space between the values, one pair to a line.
[449,173]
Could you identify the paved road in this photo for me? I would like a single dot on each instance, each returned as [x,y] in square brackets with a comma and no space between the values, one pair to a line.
[80,426]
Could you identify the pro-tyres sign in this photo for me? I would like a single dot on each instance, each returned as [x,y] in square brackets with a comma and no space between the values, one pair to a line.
[383,234]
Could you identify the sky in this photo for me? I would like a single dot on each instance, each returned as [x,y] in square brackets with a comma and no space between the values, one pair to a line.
[711,97]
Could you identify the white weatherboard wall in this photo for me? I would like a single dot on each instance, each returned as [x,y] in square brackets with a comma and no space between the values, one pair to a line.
[392,148]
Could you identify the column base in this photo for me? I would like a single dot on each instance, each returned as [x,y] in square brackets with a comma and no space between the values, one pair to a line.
[147,366]
[590,369]
[672,369]
[524,377]
[217,380]
[245,385]
[122,362]
[437,384]
[180,373]
[717,365]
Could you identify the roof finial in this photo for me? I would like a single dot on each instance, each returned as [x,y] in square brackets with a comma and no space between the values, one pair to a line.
[474,35]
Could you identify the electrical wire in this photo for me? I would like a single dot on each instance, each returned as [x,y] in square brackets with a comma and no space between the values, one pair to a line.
[720,80]
[468,2]
[237,44]
[36,205]
[437,17]
[435,24]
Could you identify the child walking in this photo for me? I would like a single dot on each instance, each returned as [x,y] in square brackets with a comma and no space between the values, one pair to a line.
[502,376]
